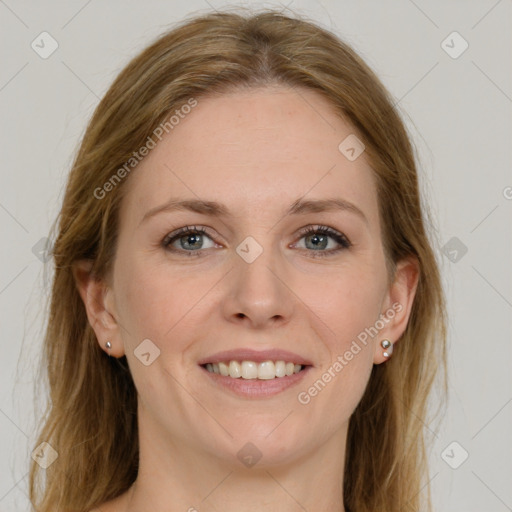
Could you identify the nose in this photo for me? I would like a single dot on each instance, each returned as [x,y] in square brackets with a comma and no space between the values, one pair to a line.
[259,293]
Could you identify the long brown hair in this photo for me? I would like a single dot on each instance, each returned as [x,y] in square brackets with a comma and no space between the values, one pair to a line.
[91,419]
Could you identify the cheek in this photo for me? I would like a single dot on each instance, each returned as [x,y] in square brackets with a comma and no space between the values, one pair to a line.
[160,303]
[349,303]
[149,300]
[352,314]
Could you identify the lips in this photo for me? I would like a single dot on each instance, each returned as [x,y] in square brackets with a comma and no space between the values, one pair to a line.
[255,374]
[255,356]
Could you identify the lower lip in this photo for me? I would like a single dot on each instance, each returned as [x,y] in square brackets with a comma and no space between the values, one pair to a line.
[257,388]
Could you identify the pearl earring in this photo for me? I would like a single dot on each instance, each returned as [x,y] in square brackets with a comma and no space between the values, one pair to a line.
[108,345]
[388,348]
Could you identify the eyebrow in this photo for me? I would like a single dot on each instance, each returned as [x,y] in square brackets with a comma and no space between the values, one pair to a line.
[216,209]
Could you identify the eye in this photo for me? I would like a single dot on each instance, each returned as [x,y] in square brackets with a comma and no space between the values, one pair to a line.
[317,239]
[188,240]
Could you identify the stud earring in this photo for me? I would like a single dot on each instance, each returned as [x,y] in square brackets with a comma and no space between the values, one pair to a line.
[388,348]
[108,345]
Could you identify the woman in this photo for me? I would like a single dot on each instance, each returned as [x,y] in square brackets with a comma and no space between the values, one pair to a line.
[246,312]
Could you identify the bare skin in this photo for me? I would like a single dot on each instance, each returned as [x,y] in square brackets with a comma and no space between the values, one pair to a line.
[257,152]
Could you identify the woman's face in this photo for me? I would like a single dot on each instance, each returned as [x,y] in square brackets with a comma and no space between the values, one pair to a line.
[256,283]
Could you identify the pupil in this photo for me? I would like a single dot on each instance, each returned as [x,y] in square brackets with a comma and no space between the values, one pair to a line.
[318,239]
[191,239]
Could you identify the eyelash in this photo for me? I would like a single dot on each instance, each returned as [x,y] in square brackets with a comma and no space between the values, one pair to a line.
[341,239]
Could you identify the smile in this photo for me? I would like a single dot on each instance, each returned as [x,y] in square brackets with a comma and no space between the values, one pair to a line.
[265,370]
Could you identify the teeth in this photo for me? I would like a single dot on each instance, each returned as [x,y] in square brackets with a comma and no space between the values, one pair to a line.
[249,370]
[223,369]
[235,370]
[266,370]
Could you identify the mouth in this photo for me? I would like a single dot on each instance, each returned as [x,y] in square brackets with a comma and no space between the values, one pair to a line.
[251,370]
[251,374]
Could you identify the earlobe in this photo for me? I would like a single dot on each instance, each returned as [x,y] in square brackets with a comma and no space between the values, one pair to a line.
[399,302]
[94,294]
[388,348]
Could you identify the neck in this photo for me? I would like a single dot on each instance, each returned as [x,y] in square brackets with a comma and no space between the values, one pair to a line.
[186,479]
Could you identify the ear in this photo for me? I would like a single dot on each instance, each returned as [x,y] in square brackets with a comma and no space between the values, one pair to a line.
[98,300]
[397,305]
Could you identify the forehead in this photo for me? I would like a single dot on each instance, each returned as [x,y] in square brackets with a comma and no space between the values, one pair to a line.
[252,149]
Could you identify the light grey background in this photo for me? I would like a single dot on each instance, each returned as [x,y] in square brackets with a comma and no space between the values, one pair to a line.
[458,111]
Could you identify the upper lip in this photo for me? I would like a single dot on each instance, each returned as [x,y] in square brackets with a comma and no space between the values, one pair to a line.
[248,354]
